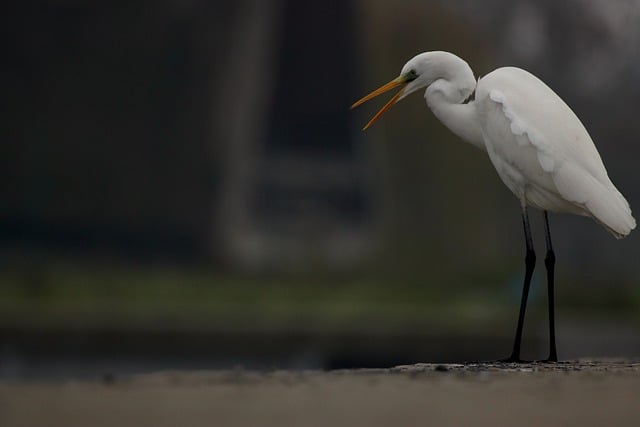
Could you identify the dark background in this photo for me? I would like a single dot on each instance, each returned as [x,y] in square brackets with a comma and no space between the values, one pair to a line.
[182,184]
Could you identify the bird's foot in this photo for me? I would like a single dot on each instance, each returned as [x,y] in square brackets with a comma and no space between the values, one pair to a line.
[512,359]
[549,359]
[505,361]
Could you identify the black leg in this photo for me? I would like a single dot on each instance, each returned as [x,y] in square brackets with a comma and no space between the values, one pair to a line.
[530,263]
[550,263]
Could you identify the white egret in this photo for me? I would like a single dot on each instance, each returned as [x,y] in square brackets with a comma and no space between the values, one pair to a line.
[539,148]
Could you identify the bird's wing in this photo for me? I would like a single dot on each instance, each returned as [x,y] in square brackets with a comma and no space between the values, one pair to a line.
[564,150]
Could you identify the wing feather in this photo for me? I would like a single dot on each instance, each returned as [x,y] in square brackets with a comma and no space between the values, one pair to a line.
[565,153]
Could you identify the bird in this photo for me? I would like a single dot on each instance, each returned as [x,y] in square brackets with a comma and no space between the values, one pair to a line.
[540,149]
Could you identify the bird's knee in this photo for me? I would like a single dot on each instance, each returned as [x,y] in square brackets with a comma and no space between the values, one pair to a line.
[550,259]
[530,258]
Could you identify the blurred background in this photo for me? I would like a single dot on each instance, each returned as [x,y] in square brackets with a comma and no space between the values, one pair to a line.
[182,185]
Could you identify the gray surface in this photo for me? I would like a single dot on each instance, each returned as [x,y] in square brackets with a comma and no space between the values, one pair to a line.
[570,393]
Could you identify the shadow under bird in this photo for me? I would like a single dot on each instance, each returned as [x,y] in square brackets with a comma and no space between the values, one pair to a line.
[538,146]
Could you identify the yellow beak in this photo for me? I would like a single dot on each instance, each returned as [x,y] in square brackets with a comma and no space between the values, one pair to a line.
[400,81]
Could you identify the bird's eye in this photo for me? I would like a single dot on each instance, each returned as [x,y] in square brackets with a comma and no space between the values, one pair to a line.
[411,75]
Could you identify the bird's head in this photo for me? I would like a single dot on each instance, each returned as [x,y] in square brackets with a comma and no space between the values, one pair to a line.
[421,71]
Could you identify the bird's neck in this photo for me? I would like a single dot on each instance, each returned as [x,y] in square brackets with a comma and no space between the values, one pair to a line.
[448,102]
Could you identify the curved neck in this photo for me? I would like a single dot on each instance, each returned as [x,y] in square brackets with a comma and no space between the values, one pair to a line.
[446,99]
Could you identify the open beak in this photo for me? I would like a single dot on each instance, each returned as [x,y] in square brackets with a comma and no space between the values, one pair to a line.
[400,81]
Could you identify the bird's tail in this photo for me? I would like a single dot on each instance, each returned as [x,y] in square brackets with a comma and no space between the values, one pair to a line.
[599,198]
[612,210]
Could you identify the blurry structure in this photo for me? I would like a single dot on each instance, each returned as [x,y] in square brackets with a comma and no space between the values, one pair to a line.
[220,131]
[196,130]
[294,192]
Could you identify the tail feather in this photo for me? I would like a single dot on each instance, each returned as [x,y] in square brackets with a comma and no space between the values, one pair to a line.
[602,201]
[613,212]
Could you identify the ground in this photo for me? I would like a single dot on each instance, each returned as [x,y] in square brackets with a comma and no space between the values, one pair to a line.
[570,393]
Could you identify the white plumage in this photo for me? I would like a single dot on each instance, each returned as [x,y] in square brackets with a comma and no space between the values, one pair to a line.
[543,153]
[539,148]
